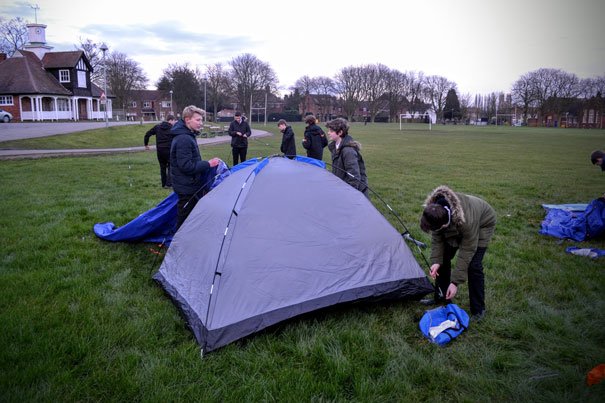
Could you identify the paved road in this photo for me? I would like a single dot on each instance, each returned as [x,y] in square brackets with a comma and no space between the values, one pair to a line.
[18,131]
[32,130]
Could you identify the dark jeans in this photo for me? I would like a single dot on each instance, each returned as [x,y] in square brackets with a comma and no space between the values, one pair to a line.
[164,160]
[184,206]
[239,154]
[476,283]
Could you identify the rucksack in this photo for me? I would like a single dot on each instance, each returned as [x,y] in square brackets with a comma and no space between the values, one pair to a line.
[441,325]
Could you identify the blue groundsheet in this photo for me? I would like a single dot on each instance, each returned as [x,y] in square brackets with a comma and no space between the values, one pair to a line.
[563,221]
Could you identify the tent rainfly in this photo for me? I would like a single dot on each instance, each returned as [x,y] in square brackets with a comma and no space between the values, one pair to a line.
[279,238]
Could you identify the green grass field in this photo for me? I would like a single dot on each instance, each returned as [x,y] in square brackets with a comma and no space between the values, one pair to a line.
[81,319]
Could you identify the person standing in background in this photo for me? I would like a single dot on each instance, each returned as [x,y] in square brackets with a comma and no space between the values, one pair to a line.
[315,139]
[163,141]
[239,130]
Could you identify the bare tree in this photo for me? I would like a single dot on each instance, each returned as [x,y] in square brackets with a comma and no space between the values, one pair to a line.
[305,86]
[123,76]
[375,84]
[465,105]
[397,84]
[435,92]
[95,58]
[549,84]
[251,76]
[413,91]
[350,85]
[523,94]
[217,79]
[325,93]
[13,35]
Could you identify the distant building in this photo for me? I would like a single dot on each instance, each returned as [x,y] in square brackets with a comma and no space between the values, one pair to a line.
[37,84]
[148,105]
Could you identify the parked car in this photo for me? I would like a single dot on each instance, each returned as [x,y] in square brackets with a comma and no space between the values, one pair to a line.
[5,116]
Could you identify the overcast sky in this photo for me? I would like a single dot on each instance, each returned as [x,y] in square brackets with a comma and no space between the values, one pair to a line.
[481,45]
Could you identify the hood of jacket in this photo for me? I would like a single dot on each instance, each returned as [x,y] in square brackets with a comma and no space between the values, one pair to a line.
[314,130]
[180,128]
[452,199]
[165,126]
[347,141]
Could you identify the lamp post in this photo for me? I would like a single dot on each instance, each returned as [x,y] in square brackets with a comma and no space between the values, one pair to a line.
[171,112]
[266,93]
[205,81]
[104,49]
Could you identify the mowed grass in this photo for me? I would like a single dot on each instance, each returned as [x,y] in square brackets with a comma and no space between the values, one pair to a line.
[81,319]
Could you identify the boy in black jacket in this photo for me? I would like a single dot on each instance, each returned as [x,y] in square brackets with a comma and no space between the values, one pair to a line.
[162,146]
[239,130]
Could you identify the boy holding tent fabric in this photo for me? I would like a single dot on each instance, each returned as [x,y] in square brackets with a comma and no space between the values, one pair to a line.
[458,223]
[186,165]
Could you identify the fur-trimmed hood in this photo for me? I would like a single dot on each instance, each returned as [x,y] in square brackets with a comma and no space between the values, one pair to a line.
[452,199]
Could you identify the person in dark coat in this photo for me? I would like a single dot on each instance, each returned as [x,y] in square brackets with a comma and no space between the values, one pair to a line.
[347,162]
[315,139]
[464,224]
[598,158]
[239,130]
[288,143]
[186,165]
[163,141]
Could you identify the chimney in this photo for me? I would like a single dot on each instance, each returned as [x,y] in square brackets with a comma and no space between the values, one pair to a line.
[2,57]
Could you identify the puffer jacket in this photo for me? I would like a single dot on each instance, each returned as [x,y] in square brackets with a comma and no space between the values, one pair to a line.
[347,159]
[315,141]
[186,164]
[472,225]
[163,136]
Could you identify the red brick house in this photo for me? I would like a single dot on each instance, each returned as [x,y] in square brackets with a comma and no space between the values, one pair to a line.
[149,105]
[37,84]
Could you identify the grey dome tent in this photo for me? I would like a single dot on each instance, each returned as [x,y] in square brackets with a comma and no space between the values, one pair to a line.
[279,238]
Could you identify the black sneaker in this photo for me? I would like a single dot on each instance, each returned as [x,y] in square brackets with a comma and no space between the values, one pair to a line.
[477,317]
[428,301]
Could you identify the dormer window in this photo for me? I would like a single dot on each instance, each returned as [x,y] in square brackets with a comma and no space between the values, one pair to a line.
[64,76]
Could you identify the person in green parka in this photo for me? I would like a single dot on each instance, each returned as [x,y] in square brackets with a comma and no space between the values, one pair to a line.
[463,224]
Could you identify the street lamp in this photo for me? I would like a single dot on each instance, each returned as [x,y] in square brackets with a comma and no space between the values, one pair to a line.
[205,95]
[104,49]
[266,93]
[171,112]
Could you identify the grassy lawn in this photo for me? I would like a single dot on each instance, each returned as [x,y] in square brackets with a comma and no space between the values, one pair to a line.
[82,320]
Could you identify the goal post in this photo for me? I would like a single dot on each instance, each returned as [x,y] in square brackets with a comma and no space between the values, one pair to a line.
[416,120]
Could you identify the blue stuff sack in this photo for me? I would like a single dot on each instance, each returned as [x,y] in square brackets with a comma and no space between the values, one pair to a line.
[442,324]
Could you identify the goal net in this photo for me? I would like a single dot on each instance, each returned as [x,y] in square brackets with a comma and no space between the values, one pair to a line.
[416,121]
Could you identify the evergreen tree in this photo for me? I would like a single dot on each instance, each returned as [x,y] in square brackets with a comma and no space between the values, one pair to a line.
[452,106]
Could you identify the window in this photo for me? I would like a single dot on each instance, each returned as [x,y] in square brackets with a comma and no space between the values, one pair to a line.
[64,76]
[146,104]
[166,104]
[62,104]
[133,104]
[81,79]
[6,99]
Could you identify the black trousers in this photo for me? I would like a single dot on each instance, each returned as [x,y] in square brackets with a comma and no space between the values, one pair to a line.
[164,160]
[476,282]
[239,154]
[184,207]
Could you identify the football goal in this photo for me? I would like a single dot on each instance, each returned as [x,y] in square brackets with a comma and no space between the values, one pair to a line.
[416,121]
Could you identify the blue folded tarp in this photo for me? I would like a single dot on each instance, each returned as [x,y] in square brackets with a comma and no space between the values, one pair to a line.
[158,224]
[575,225]
[155,225]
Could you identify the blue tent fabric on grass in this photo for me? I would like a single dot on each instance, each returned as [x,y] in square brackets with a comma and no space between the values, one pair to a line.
[578,226]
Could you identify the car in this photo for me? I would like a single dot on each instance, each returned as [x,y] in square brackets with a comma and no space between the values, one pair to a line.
[5,116]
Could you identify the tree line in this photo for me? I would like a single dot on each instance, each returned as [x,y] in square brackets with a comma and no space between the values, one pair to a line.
[245,80]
